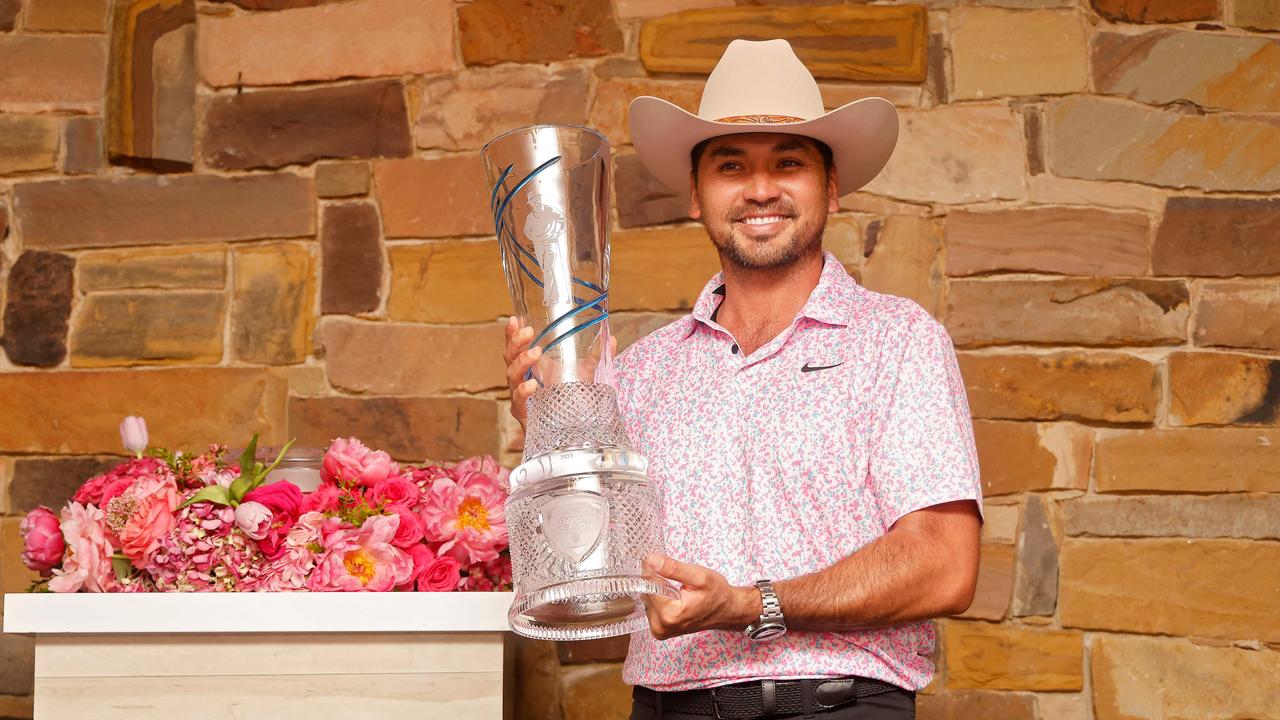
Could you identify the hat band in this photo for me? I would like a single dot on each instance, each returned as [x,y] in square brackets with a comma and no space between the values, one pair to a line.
[761,119]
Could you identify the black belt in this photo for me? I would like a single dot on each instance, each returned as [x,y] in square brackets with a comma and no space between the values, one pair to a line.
[764,698]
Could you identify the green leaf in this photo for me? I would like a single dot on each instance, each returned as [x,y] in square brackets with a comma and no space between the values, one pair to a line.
[122,566]
[247,457]
[240,486]
[212,493]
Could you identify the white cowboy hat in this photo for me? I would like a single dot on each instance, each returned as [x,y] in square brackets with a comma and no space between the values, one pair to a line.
[763,87]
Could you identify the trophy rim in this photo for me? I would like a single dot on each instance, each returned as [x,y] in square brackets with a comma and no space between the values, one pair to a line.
[604,140]
[577,461]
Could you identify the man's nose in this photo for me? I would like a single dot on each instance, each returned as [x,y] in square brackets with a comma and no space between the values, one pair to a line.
[761,187]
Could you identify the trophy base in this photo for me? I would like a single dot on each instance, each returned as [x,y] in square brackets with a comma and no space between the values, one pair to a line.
[588,609]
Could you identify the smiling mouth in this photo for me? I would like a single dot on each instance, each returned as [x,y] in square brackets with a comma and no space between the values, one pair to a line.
[763,219]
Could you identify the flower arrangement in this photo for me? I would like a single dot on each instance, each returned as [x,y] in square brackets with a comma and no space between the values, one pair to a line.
[167,522]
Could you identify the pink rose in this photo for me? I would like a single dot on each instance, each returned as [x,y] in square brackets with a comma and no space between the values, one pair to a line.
[100,489]
[42,540]
[143,515]
[442,575]
[362,559]
[254,519]
[88,560]
[348,460]
[422,558]
[284,500]
[322,499]
[467,516]
[395,490]
[410,529]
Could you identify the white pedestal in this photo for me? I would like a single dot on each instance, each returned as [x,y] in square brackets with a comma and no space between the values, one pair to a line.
[253,655]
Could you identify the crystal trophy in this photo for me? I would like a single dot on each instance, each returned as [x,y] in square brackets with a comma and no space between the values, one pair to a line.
[581,513]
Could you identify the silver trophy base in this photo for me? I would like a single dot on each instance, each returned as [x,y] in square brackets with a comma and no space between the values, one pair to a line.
[581,522]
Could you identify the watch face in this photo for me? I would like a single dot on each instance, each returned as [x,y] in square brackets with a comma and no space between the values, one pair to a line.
[768,631]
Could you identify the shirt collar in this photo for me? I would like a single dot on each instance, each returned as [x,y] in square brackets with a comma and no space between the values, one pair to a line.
[831,301]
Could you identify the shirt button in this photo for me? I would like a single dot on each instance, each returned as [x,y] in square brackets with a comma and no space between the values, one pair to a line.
[734,349]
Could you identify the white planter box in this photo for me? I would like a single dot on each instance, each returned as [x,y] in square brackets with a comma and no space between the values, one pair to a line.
[251,655]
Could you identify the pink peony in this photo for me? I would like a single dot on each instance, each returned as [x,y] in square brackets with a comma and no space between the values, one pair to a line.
[87,564]
[466,516]
[348,460]
[322,499]
[395,490]
[410,530]
[362,559]
[484,464]
[253,519]
[284,500]
[425,477]
[141,516]
[442,575]
[42,540]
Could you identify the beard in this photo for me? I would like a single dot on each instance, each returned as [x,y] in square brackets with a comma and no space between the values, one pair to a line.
[803,238]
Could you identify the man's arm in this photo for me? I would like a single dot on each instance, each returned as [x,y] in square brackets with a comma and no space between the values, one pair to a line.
[925,566]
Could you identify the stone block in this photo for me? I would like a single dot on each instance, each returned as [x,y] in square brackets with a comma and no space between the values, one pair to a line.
[1218,237]
[541,31]
[153,268]
[379,358]
[351,248]
[110,212]
[1102,387]
[982,656]
[185,408]
[468,109]
[274,128]
[447,282]
[858,42]
[433,198]
[997,52]
[151,92]
[273,305]
[373,38]
[1190,460]
[1147,586]
[146,328]
[37,309]
[45,73]
[1102,312]
[1223,389]
[1018,456]
[1067,241]
[956,154]
[411,429]
[1100,138]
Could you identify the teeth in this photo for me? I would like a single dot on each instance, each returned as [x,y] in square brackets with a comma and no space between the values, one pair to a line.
[762,220]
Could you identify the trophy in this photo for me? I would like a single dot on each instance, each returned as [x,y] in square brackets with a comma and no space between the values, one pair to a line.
[581,513]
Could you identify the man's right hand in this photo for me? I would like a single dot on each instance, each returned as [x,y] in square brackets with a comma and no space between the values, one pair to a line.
[520,358]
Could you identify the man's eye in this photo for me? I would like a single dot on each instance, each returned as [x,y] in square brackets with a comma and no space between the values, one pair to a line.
[789,160]
[728,166]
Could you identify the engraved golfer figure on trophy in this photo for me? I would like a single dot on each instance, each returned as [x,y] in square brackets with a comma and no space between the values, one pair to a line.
[581,512]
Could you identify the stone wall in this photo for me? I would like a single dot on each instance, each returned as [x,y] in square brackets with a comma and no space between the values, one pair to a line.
[268,216]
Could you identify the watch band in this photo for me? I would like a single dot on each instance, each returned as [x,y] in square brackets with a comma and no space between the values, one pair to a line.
[772,623]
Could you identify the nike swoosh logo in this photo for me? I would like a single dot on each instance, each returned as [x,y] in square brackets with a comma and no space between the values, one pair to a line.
[810,368]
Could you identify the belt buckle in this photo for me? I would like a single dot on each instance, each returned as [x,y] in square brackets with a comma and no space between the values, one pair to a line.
[715,706]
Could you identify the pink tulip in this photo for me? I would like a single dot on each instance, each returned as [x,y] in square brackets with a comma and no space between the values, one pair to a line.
[254,519]
[133,433]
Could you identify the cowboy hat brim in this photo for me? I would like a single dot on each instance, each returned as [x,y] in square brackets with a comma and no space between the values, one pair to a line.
[861,135]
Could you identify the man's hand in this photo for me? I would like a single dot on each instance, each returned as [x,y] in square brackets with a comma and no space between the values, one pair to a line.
[707,601]
[520,359]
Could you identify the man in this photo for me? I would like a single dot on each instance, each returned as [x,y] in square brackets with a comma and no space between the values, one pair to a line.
[802,429]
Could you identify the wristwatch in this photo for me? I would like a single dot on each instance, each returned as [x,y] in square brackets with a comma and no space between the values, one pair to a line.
[771,623]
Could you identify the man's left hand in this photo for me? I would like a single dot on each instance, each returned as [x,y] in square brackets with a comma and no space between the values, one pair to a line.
[707,601]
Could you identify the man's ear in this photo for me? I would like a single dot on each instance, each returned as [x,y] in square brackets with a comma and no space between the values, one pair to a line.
[695,207]
[833,191]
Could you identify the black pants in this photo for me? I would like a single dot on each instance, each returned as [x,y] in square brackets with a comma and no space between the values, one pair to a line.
[891,705]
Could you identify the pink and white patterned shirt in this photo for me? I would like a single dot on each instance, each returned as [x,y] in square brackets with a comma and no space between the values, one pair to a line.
[771,470]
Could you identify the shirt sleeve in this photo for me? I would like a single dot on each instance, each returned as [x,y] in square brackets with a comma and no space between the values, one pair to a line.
[924,452]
